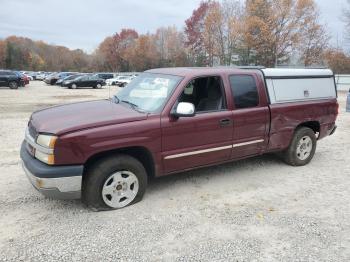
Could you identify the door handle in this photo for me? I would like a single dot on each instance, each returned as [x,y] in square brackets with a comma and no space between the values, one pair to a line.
[225,122]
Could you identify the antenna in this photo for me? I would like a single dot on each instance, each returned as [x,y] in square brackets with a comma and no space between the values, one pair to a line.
[109,92]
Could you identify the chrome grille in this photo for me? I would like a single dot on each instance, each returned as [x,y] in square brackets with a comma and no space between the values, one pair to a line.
[32,132]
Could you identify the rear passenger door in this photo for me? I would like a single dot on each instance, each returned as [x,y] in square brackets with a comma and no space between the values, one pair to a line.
[250,115]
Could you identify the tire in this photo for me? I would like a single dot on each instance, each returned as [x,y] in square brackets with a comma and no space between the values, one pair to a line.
[74,86]
[98,86]
[106,186]
[302,148]
[13,85]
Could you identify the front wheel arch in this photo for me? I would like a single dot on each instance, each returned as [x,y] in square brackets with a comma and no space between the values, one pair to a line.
[100,172]
[141,153]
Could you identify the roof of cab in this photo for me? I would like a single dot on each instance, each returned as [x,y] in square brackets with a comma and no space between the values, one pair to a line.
[268,72]
[195,71]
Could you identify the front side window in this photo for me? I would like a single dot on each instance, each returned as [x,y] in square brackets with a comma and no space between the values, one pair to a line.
[205,93]
[93,77]
[148,92]
[83,78]
[244,90]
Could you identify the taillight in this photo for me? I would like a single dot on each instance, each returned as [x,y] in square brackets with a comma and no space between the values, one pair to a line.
[337,109]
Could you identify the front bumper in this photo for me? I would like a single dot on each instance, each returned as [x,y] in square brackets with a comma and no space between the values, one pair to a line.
[59,182]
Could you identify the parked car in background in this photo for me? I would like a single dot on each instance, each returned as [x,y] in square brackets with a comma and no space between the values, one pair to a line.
[25,78]
[113,81]
[42,75]
[48,77]
[29,77]
[32,75]
[348,102]
[11,79]
[63,81]
[85,81]
[104,76]
[124,80]
[67,78]
[52,79]
[175,119]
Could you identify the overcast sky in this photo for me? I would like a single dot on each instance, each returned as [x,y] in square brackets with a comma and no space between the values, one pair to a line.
[85,23]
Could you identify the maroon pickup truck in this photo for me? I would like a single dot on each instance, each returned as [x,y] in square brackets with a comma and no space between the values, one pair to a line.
[174,119]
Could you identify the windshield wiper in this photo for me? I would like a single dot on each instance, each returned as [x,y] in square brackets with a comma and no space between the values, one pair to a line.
[130,103]
[116,99]
[134,106]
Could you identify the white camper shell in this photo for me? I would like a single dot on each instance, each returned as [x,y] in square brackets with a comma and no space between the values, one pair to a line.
[294,85]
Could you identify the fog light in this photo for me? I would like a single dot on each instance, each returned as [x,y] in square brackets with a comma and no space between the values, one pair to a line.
[39,183]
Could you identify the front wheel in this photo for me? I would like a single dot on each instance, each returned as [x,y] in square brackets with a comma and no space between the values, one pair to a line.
[74,86]
[98,86]
[13,85]
[302,148]
[114,182]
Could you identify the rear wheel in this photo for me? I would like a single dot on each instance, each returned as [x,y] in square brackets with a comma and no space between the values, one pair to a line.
[114,182]
[13,85]
[98,86]
[302,148]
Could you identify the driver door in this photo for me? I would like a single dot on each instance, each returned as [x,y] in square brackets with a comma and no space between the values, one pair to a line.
[204,139]
[84,81]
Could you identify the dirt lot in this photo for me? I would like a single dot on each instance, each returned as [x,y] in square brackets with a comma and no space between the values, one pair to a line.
[253,210]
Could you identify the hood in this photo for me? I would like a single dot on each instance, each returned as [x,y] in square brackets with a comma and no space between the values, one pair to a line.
[71,117]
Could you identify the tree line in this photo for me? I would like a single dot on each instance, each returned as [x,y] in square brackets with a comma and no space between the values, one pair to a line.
[228,32]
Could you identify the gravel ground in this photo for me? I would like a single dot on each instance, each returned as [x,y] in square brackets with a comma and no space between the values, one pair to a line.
[252,210]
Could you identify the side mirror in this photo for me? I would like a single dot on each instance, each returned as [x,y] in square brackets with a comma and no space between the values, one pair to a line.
[184,109]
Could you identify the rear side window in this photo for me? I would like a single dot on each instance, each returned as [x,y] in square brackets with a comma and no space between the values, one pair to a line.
[245,92]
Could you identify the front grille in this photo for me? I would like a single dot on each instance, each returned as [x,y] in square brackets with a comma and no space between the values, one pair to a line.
[32,132]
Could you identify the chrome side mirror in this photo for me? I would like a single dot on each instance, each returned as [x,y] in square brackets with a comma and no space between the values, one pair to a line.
[184,109]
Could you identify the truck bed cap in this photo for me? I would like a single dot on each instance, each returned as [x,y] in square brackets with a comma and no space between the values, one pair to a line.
[292,72]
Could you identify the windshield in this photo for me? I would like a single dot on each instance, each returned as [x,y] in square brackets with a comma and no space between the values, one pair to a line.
[148,92]
[71,77]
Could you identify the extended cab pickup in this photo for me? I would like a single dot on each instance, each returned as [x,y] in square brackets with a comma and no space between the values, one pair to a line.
[175,119]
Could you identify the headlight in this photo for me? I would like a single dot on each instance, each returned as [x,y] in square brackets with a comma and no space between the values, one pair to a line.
[46,158]
[47,141]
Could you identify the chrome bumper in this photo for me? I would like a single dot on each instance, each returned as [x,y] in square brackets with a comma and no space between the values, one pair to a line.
[58,187]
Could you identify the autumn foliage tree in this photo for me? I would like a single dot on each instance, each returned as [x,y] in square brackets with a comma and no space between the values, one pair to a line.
[21,53]
[222,32]
[277,28]
[338,61]
[194,31]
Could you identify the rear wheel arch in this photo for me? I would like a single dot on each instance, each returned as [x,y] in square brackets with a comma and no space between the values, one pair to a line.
[313,125]
[304,139]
